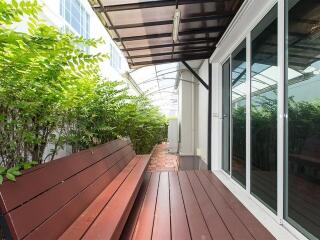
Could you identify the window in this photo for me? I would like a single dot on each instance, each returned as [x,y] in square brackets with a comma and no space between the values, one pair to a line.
[226,118]
[302,203]
[115,58]
[238,108]
[76,16]
[264,82]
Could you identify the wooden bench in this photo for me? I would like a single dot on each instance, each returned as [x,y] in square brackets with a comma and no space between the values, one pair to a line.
[85,195]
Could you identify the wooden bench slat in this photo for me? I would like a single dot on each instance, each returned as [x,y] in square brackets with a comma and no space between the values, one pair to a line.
[216,227]
[143,230]
[83,222]
[161,225]
[179,222]
[51,201]
[197,224]
[231,220]
[128,231]
[53,227]
[254,226]
[28,186]
[110,222]
[103,150]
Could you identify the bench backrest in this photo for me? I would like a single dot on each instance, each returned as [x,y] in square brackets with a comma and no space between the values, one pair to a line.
[53,195]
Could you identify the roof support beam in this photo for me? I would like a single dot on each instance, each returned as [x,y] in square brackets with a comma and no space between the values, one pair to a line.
[170,60]
[195,74]
[189,42]
[208,16]
[151,4]
[194,50]
[183,33]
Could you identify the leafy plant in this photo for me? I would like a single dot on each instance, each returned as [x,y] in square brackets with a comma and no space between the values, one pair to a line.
[51,94]
[13,172]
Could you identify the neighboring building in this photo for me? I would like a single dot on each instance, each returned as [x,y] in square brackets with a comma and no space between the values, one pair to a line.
[77,16]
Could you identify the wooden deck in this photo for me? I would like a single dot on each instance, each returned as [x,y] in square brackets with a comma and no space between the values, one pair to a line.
[190,205]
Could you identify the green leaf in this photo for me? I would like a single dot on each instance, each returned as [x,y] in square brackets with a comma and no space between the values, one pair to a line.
[11,177]
[1,179]
[16,173]
[2,170]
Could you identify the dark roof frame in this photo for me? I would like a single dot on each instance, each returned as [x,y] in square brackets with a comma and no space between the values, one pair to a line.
[195,42]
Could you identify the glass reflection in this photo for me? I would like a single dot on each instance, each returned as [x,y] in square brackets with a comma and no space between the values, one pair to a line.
[238,96]
[264,110]
[226,118]
[303,89]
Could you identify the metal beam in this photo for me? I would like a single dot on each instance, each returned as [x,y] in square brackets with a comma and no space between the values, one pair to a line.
[170,60]
[116,32]
[189,42]
[195,74]
[183,33]
[133,83]
[208,16]
[151,4]
[194,50]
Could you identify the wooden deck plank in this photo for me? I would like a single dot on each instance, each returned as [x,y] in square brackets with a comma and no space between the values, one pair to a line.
[197,224]
[144,226]
[111,220]
[161,225]
[179,223]
[237,229]
[130,227]
[252,224]
[82,223]
[214,222]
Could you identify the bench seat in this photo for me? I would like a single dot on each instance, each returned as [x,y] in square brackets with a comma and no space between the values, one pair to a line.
[111,207]
[85,195]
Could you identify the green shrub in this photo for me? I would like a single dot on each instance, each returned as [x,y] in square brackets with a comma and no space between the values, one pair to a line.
[51,93]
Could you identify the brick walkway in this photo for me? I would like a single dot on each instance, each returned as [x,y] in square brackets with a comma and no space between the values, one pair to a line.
[161,160]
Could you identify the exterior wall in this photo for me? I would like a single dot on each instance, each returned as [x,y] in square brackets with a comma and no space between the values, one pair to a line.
[173,135]
[51,14]
[202,116]
[247,18]
[186,115]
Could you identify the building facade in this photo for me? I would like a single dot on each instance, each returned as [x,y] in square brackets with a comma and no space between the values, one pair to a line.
[265,113]
[77,17]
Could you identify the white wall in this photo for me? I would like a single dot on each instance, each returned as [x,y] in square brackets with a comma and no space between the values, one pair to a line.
[186,114]
[202,116]
[51,14]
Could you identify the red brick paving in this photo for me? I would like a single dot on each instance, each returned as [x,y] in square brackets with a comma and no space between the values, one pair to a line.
[161,160]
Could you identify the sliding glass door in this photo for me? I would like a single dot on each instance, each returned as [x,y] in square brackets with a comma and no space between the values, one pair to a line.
[238,110]
[302,202]
[300,145]
[264,86]
[226,116]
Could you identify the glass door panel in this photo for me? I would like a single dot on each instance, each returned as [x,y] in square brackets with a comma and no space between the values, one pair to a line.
[303,90]
[238,107]
[264,84]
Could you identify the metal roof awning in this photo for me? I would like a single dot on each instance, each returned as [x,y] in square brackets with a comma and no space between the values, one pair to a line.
[143,28]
